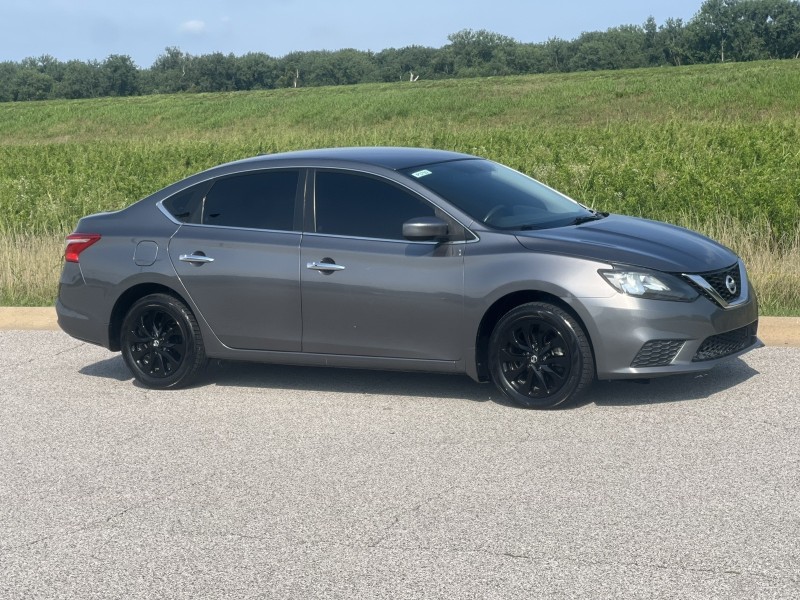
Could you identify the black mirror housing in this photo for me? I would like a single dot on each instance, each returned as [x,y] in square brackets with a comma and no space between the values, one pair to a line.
[425,229]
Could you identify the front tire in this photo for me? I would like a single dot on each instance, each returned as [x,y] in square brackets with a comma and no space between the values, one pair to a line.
[161,342]
[540,357]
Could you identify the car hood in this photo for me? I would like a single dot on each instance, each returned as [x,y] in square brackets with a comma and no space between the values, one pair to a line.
[631,241]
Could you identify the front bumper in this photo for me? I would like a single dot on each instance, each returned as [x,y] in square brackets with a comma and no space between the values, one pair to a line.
[635,338]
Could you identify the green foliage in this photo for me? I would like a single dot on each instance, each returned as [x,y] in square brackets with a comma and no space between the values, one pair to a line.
[741,30]
[721,31]
[648,142]
[683,145]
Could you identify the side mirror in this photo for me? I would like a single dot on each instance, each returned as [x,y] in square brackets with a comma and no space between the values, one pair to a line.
[425,229]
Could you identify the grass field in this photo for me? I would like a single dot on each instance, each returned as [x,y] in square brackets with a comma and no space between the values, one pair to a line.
[715,147]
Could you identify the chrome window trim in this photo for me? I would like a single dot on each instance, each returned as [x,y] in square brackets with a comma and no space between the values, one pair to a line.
[168,214]
[390,240]
[237,228]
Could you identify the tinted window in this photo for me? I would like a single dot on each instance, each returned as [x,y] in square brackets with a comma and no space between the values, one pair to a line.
[187,206]
[356,205]
[255,200]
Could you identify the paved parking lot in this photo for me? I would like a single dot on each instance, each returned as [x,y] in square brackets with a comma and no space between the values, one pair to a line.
[280,482]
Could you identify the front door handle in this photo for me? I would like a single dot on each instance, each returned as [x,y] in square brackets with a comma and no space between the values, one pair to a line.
[198,258]
[330,267]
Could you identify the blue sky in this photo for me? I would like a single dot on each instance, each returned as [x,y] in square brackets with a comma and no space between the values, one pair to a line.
[141,29]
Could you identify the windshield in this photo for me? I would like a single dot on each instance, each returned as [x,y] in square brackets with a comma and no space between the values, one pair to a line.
[498,196]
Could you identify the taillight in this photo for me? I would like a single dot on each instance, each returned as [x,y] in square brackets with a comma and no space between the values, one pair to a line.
[77,243]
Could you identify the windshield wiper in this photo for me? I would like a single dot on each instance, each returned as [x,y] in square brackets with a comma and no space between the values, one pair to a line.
[595,216]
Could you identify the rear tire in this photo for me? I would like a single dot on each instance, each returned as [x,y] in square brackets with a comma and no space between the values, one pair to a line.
[540,357]
[161,342]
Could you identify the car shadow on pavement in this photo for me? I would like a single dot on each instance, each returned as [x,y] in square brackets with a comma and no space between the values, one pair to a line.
[349,381]
[110,368]
[675,388]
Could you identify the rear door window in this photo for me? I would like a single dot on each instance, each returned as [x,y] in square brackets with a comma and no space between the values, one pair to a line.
[261,200]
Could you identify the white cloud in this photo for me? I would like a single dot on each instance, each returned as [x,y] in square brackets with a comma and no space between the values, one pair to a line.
[193,26]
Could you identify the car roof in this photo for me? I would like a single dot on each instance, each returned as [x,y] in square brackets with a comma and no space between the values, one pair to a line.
[389,157]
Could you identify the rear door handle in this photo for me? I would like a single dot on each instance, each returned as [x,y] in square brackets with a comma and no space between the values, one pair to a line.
[315,266]
[196,258]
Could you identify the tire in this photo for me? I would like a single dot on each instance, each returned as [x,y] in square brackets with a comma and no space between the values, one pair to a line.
[161,342]
[540,357]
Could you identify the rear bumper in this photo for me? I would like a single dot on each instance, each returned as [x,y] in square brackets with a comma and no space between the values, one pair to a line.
[77,308]
[80,326]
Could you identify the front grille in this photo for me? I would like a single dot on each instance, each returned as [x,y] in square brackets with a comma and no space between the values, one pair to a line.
[717,280]
[657,353]
[725,344]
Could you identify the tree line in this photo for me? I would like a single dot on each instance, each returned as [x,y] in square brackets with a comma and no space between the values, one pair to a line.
[721,31]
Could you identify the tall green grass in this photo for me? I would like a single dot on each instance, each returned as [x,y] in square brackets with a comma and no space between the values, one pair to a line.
[773,268]
[695,144]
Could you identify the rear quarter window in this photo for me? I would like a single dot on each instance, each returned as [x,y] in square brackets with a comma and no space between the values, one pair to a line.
[187,206]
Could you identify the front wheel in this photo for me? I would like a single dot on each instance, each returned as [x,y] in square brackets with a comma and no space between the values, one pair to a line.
[161,342]
[540,357]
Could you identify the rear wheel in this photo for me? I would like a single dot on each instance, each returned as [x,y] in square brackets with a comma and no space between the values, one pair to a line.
[540,357]
[161,342]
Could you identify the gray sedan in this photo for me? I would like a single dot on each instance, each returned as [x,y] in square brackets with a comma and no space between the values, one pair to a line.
[400,258]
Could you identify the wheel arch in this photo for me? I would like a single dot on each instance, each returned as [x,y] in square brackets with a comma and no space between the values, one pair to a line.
[124,303]
[503,305]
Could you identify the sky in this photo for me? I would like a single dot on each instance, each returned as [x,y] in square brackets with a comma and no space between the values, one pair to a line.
[142,29]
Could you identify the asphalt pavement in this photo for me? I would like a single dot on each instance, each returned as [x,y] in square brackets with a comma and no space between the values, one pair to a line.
[281,482]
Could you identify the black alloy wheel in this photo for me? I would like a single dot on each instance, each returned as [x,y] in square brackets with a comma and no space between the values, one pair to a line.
[161,342]
[540,357]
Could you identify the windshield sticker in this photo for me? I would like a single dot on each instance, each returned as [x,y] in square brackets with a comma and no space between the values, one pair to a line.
[422,173]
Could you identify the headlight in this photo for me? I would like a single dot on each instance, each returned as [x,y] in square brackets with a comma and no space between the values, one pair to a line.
[649,284]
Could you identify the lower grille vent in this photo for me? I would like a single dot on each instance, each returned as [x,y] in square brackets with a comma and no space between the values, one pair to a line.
[728,343]
[657,353]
